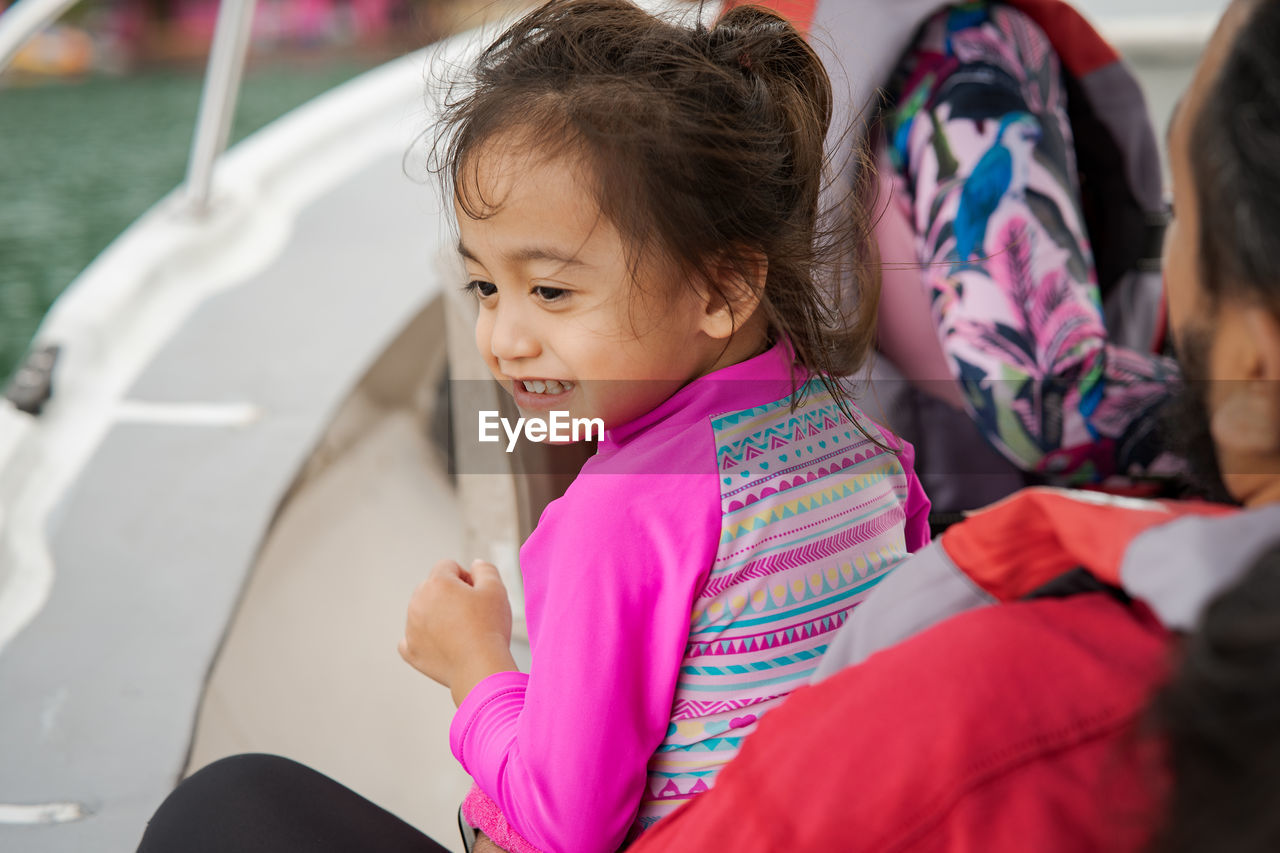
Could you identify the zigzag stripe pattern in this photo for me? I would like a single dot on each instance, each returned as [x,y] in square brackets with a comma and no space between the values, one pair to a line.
[798,550]
[766,641]
[824,548]
[770,481]
[723,422]
[688,709]
[820,412]
[797,430]
[784,510]
[834,459]
[782,433]
[711,744]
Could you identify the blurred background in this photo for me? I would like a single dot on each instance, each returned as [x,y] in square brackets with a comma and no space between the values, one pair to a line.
[96,112]
[96,116]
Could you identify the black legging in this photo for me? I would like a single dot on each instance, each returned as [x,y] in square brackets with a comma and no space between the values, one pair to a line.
[269,804]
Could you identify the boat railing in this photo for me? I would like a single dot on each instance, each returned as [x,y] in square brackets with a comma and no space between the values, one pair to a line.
[227,54]
[218,99]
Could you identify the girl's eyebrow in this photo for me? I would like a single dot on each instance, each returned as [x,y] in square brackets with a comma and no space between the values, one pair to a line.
[529,253]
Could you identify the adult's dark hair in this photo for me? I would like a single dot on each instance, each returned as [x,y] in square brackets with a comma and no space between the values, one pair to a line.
[1235,163]
[1220,713]
[1220,716]
[706,146]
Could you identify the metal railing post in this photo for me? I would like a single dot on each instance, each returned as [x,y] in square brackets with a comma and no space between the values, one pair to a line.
[23,20]
[218,99]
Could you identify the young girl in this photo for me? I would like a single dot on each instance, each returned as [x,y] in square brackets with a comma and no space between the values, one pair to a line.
[637,207]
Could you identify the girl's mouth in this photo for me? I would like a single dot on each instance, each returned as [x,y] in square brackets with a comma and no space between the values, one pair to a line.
[540,393]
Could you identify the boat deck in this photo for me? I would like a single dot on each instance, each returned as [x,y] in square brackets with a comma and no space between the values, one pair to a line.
[154,541]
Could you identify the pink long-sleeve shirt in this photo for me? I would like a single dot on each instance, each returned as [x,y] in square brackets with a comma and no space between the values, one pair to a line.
[688,579]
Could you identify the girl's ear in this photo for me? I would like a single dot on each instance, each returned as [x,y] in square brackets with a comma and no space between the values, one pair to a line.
[734,293]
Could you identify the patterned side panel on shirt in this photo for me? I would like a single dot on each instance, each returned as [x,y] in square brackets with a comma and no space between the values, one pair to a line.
[812,519]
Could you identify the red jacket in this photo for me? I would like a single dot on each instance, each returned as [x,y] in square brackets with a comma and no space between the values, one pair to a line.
[1007,729]
[1016,727]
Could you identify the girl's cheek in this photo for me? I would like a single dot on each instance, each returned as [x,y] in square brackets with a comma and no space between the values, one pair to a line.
[484,335]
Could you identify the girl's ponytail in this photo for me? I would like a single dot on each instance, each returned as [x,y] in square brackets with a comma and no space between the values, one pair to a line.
[797,96]
[770,51]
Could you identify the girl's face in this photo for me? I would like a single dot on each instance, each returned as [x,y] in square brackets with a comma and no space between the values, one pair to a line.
[562,325]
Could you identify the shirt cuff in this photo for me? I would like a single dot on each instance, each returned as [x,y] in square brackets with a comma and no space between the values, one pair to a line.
[483,813]
[499,698]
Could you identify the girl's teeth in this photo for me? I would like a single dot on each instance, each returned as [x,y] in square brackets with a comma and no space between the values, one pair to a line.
[549,386]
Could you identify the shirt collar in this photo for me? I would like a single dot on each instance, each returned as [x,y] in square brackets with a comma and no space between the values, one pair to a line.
[761,379]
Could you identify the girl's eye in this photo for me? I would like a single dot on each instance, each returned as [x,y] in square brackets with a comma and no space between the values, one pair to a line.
[549,294]
[481,289]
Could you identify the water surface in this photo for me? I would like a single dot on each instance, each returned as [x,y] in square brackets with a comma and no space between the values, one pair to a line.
[80,161]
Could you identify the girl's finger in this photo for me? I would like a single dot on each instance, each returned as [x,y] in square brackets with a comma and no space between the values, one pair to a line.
[446,568]
[449,570]
[485,574]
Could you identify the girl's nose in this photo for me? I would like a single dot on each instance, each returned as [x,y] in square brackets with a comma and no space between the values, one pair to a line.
[510,339]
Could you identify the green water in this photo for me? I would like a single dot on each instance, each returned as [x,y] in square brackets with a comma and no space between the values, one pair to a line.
[79,162]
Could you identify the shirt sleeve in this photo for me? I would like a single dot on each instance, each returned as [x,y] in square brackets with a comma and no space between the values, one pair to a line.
[611,574]
[918,504]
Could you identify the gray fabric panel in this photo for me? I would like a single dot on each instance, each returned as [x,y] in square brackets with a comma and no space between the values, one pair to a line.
[1178,567]
[1133,309]
[860,42]
[1120,105]
[920,593]
[888,398]
[957,466]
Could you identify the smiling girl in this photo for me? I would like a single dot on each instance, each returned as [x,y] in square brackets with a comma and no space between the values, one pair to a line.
[637,208]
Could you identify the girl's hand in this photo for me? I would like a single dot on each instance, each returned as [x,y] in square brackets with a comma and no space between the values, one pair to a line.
[458,631]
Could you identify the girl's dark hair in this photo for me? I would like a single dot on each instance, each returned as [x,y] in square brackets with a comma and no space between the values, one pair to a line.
[1220,716]
[706,146]
[1235,143]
